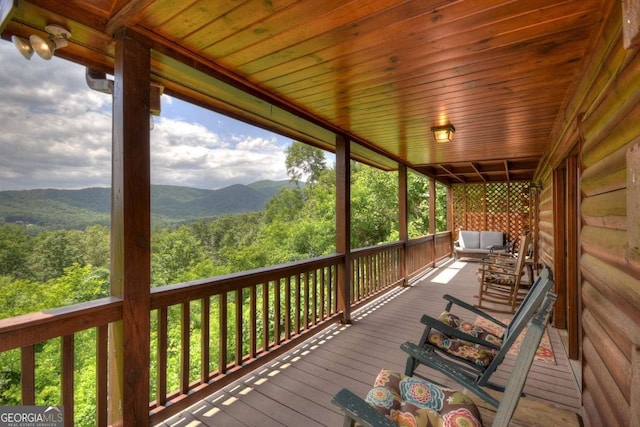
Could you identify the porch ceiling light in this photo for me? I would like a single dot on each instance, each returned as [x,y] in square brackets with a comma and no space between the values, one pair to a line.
[57,39]
[45,48]
[23,46]
[443,133]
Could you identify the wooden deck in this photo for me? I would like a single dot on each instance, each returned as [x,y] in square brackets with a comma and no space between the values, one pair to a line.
[296,389]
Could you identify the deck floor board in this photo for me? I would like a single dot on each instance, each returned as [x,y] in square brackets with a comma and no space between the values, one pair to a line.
[296,389]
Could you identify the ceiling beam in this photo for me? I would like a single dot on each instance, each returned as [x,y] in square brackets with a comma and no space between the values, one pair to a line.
[128,15]
[475,168]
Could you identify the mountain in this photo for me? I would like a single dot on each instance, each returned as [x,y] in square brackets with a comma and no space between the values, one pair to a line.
[49,208]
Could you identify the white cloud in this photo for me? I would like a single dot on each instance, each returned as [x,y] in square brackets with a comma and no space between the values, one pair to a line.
[56,133]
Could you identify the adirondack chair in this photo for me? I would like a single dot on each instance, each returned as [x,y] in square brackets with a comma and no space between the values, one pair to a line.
[500,279]
[467,353]
[437,403]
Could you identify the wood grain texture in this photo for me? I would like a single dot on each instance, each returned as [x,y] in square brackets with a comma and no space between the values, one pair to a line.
[378,72]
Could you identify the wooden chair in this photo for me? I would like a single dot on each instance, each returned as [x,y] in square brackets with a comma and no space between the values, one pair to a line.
[388,394]
[500,279]
[466,352]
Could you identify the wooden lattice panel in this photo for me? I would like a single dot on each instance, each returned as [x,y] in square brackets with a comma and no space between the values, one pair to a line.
[458,208]
[494,206]
[497,202]
[475,212]
[518,209]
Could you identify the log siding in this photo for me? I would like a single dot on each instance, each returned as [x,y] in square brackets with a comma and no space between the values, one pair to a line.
[602,118]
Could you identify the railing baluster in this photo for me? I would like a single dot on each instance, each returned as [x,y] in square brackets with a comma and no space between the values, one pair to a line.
[323,308]
[185,347]
[265,317]
[68,357]
[205,336]
[298,303]
[253,318]
[222,339]
[306,301]
[287,307]
[238,331]
[28,377]
[102,362]
[314,294]
[276,312]
[163,344]
[333,290]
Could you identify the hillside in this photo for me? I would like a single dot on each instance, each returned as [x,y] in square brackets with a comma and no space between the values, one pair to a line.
[49,208]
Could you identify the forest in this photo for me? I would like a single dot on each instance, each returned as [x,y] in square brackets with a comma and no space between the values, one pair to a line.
[60,267]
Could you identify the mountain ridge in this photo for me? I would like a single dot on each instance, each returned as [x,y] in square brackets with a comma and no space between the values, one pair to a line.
[54,208]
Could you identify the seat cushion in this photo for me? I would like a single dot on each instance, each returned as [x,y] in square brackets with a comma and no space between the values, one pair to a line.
[415,402]
[475,353]
[469,239]
[491,238]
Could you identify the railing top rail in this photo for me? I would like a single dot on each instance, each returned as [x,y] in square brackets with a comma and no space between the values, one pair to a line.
[197,289]
[20,331]
[376,249]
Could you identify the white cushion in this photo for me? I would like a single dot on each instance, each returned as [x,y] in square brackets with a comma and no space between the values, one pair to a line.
[469,239]
[491,238]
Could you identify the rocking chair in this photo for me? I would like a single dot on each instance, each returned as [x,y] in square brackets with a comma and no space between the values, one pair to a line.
[500,279]
[468,353]
[395,395]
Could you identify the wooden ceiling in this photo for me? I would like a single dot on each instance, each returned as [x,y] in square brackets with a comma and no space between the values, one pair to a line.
[380,72]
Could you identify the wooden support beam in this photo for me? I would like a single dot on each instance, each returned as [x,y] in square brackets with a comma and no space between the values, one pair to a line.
[403,218]
[130,234]
[343,225]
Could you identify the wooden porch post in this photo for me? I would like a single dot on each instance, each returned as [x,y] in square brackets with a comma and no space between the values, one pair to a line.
[432,218]
[403,220]
[343,224]
[130,235]
[450,219]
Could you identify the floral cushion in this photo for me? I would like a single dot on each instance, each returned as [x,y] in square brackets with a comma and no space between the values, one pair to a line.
[478,354]
[494,274]
[414,402]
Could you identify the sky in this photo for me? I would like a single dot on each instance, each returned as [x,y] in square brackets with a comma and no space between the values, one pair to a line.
[55,132]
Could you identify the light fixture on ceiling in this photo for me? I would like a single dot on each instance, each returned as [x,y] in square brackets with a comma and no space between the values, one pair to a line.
[57,39]
[535,188]
[443,133]
[23,46]
[45,48]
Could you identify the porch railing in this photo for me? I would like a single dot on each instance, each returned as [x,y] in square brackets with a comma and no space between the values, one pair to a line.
[208,333]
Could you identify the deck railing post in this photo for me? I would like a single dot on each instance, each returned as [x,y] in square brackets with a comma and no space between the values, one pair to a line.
[129,352]
[403,220]
[343,225]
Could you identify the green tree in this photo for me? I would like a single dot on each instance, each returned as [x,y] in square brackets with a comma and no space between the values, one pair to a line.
[15,246]
[417,205]
[304,162]
[96,245]
[55,250]
[173,254]
[441,207]
[374,206]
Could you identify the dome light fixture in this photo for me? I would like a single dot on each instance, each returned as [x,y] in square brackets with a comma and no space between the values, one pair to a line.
[443,133]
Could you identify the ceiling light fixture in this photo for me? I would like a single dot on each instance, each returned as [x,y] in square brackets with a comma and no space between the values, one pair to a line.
[443,133]
[23,46]
[45,48]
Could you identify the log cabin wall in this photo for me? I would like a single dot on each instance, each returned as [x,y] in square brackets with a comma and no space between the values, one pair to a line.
[602,121]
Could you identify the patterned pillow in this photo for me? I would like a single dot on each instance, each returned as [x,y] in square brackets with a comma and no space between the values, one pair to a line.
[414,402]
[478,354]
